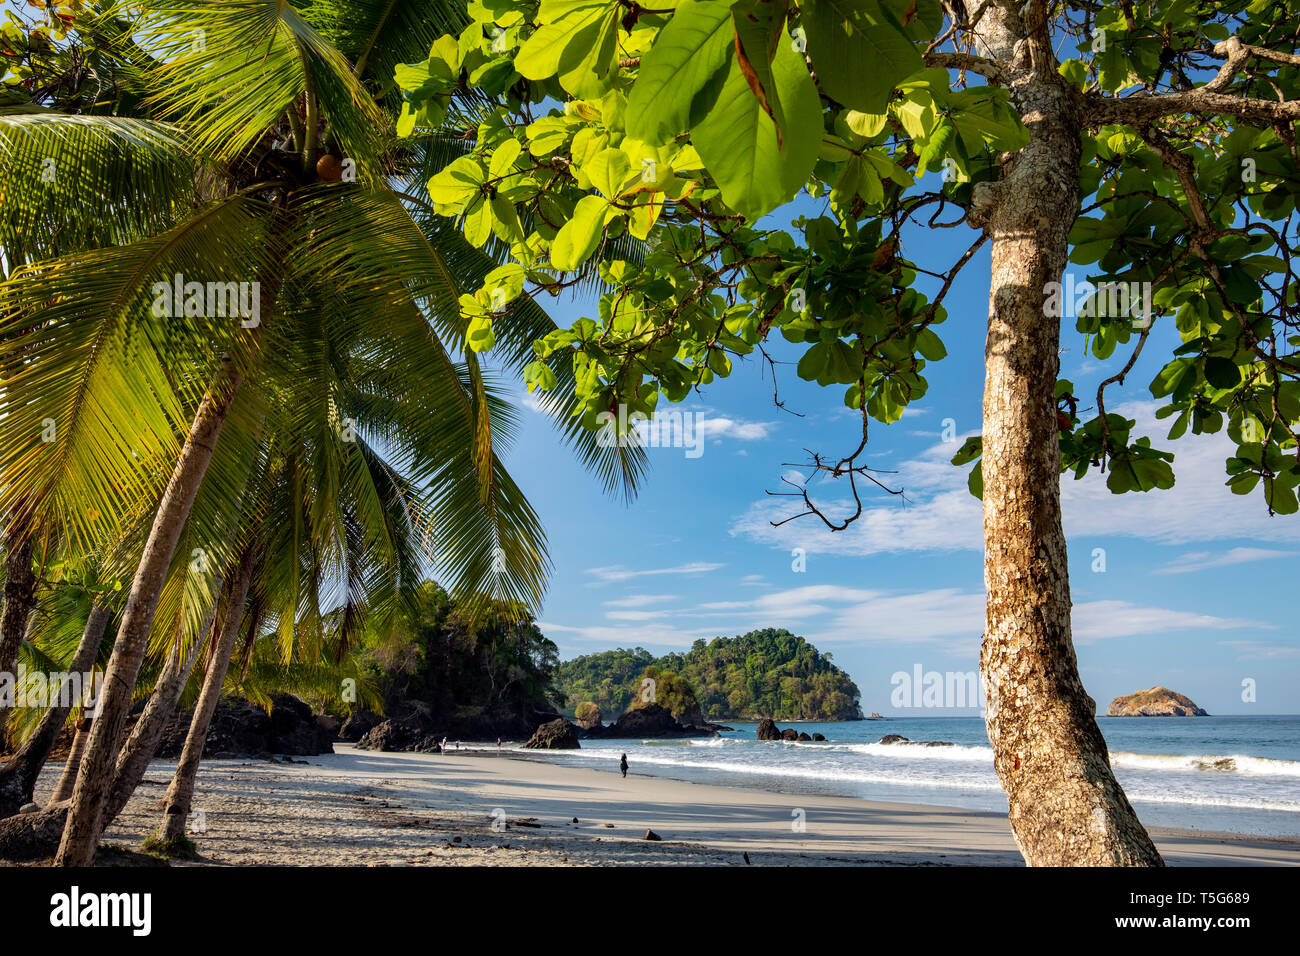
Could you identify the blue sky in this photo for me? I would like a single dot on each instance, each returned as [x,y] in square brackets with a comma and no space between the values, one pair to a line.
[1196,592]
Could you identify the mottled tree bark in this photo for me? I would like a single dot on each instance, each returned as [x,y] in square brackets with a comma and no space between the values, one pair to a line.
[1066,807]
[18,776]
[148,731]
[85,819]
[19,600]
[180,794]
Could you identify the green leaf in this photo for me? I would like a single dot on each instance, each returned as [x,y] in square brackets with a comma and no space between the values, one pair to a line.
[930,345]
[681,75]
[760,26]
[1222,372]
[578,237]
[859,49]
[569,30]
[738,143]
[457,184]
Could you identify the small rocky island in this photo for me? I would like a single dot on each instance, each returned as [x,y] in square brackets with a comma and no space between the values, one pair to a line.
[1155,702]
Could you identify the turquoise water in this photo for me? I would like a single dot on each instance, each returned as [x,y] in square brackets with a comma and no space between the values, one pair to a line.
[1236,774]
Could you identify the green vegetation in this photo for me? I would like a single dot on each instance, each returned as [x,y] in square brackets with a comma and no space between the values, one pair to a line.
[668,690]
[454,660]
[767,673]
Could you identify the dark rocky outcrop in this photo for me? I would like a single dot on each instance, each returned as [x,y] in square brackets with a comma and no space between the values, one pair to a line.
[818,737]
[415,728]
[649,722]
[358,724]
[768,730]
[242,729]
[1154,702]
[899,739]
[804,738]
[789,734]
[557,734]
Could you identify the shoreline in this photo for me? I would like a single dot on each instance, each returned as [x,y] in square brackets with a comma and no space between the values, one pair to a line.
[364,808]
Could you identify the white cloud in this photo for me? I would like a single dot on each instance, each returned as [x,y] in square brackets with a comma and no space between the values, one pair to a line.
[1095,620]
[1258,651]
[939,514]
[634,616]
[607,636]
[619,573]
[950,618]
[720,428]
[1201,560]
[641,600]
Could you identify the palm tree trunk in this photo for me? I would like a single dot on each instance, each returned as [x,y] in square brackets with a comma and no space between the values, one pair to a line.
[180,795]
[69,779]
[148,732]
[85,819]
[1066,807]
[18,777]
[19,600]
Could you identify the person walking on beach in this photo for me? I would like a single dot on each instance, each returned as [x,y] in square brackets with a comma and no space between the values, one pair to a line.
[444,744]
[498,743]
[622,765]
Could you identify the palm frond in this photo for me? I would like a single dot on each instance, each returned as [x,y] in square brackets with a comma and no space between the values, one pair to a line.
[137,175]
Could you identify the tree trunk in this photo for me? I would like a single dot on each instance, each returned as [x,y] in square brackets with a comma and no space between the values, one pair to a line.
[85,819]
[69,778]
[1066,807]
[148,732]
[18,777]
[20,599]
[180,795]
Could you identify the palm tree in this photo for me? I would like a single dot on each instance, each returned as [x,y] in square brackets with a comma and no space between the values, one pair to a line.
[259,94]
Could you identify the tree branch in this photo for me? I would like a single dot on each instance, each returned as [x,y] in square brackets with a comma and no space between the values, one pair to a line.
[1141,109]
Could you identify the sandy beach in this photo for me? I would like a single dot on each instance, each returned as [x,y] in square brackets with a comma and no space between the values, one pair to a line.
[359,808]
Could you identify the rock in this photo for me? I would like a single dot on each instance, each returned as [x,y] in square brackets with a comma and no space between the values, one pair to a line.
[28,808]
[818,737]
[804,737]
[768,730]
[789,734]
[392,735]
[587,715]
[897,739]
[1155,702]
[651,721]
[651,835]
[558,734]
[242,729]
[358,724]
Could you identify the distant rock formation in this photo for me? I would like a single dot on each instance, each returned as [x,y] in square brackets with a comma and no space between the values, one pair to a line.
[1155,702]
[649,721]
[768,730]
[559,734]
[899,739]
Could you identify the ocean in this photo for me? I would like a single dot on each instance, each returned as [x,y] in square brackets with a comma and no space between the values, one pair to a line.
[1233,774]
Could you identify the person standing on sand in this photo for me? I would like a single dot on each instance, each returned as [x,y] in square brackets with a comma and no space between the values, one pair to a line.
[498,743]
[622,765]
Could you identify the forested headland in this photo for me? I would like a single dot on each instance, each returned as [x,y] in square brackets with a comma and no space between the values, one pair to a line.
[765,673]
